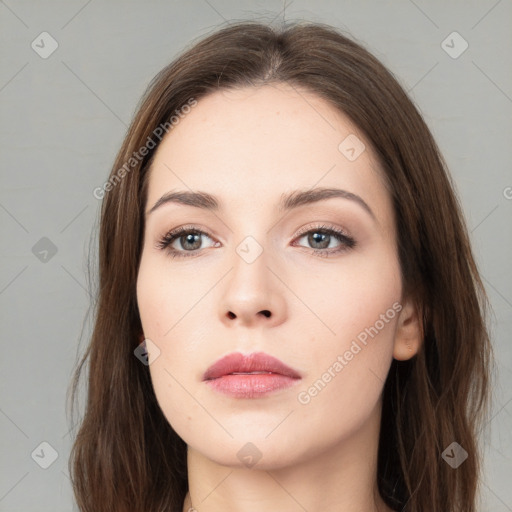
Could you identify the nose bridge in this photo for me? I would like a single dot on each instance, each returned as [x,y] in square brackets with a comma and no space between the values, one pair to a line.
[250,262]
[252,289]
[252,249]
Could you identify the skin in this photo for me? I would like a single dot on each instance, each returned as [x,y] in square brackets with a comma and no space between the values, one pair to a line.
[248,147]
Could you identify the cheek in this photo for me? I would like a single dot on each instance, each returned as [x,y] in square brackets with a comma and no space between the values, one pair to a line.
[348,298]
[149,298]
[168,307]
[359,312]
[165,298]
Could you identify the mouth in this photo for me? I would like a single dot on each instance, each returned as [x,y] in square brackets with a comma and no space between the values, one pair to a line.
[250,376]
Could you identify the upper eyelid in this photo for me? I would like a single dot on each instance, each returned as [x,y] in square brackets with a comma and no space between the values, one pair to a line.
[320,225]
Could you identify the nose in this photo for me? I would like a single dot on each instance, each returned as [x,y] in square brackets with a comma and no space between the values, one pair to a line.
[253,294]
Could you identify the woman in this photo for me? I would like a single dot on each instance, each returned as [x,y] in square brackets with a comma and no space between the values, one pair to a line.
[289,313]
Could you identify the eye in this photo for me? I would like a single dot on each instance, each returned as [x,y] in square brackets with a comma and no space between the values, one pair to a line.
[189,238]
[321,237]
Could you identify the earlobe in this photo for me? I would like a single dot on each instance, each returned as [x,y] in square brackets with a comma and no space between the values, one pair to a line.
[409,333]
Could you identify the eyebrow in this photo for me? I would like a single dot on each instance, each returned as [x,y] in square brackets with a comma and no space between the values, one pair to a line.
[288,201]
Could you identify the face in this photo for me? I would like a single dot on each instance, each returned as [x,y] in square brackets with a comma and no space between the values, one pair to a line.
[316,285]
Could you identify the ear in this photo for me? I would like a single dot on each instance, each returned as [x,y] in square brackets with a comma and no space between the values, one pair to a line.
[409,332]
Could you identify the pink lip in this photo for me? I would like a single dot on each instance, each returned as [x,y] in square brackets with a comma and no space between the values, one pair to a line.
[224,375]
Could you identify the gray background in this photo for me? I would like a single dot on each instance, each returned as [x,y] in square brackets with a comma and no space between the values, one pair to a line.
[63,118]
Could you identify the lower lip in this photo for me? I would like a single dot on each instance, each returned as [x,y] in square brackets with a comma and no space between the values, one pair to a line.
[251,386]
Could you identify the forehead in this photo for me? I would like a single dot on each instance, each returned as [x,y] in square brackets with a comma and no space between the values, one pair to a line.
[249,146]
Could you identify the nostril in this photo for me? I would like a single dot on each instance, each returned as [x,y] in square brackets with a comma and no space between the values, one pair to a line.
[266,312]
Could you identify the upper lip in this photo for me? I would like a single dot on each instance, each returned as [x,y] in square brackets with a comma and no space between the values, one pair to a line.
[255,362]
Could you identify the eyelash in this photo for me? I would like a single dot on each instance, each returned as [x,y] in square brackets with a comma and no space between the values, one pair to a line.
[165,242]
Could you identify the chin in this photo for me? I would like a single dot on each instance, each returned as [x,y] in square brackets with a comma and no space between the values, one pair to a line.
[270,460]
[253,449]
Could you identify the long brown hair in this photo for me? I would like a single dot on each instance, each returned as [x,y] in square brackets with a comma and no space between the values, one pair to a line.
[126,456]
